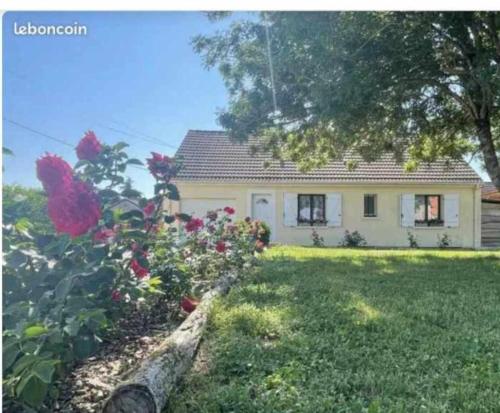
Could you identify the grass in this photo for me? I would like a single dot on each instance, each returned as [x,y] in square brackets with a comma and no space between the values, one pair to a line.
[343,330]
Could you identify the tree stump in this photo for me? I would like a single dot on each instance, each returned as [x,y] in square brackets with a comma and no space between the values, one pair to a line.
[147,389]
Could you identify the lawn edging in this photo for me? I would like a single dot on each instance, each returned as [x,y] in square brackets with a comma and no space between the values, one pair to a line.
[147,388]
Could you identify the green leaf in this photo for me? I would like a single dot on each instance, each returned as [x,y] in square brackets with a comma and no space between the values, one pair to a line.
[184,217]
[120,145]
[173,194]
[45,370]
[23,363]
[72,326]
[32,390]
[134,161]
[35,331]
[58,246]
[7,151]
[9,355]
[135,233]
[159,187]
[63,288]
[169,219]
[95,320]
[84,346]
[131,193]
[134,213]
[23,225]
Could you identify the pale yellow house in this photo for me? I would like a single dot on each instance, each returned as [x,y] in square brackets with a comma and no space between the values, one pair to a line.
[378,199]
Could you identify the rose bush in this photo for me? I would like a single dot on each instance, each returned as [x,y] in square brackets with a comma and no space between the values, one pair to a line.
[63,290]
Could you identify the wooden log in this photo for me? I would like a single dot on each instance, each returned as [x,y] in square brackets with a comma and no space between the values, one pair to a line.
[146,390]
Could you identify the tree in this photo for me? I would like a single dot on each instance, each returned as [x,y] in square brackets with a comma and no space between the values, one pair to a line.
[316,85]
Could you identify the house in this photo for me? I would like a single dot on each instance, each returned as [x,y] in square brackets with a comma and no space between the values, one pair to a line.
[378,199]
[490,215]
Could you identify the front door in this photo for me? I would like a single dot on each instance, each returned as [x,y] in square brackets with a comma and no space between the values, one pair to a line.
[262,208]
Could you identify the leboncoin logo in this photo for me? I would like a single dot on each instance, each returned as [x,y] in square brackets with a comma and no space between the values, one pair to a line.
[30,29]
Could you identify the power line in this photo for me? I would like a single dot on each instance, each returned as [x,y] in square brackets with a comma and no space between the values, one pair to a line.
[61,141]
[126,126]
[20,125]
[156,141]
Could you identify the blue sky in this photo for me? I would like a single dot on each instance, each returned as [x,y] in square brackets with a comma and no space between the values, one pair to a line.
[134,72]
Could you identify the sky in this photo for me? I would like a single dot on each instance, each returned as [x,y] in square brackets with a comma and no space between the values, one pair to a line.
[133,77]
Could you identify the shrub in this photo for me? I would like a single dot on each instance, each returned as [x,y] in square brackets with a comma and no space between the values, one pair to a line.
[62,291]
[412,239]
[443,241]
[259,230]
[317,239]
[354,239]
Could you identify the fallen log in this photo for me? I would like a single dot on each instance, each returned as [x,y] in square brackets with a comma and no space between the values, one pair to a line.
[146,390]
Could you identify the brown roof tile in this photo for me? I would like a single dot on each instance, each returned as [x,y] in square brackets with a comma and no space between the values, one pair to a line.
[490,193]
[211,156]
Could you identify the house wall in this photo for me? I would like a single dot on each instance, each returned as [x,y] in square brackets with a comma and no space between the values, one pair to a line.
[385,230]
[490,224]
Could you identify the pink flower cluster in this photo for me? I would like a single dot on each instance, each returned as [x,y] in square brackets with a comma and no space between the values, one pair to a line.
[162,167]
[73,206]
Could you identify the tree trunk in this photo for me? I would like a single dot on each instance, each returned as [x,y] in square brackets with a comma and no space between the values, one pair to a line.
[487,147]
[148,388]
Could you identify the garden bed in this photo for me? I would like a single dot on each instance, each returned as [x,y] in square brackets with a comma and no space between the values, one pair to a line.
[92,380]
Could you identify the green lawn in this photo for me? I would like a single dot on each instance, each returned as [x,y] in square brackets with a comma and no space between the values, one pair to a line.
[340,330]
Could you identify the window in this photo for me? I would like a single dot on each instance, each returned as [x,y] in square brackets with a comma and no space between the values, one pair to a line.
[428,211]
[370,205]
[311,210]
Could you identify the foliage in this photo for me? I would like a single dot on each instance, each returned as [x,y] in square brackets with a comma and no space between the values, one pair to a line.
[259,230]
[412,240]
[353,239]
[317,239]
[63,291]
[214,244]
[326,330]
[444,240]
[423,83]
[28,203]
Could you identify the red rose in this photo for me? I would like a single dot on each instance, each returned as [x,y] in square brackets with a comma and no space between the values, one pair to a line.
[116,295]
[194,224]
[220,246]
[104,235]
[161,167]
[75,210]
[89,147]
[54,173]
[189,304]
[149,209]
[139,270]
[229,210]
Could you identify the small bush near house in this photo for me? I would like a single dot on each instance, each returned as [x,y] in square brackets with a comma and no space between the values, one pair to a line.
[353,239]
[317,239]
[444,241]
[412,240]
[259,230]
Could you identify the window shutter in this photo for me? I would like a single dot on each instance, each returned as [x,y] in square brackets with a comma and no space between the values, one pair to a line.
[451,202]
[334,209]
[290,209]
[408,210]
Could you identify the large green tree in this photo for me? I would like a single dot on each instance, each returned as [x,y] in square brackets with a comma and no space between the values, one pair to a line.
[315,85]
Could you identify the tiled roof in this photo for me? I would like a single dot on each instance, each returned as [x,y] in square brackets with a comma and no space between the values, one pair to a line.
[211,156]
[490,193]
